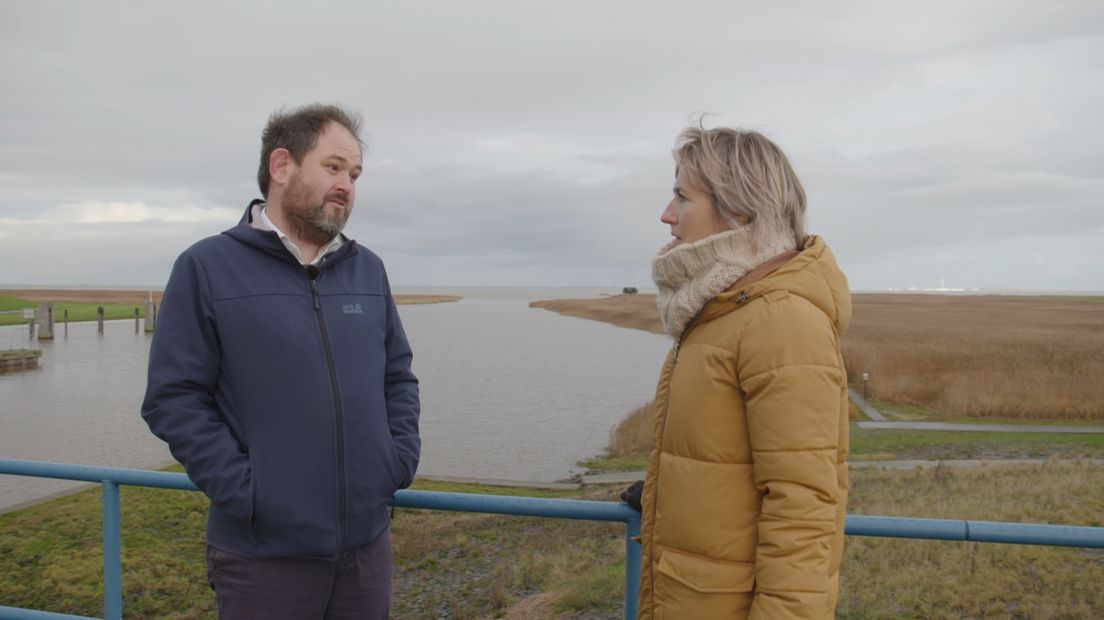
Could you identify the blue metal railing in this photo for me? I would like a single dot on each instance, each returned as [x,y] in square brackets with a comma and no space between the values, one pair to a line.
[893,527]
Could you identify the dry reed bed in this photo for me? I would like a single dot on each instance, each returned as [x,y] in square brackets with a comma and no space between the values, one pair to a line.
[1010,357]
[976,356]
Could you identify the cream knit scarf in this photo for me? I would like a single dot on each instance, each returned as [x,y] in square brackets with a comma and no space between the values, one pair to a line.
[690,274]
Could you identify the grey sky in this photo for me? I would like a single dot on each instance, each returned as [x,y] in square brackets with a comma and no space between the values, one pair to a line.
[517,143]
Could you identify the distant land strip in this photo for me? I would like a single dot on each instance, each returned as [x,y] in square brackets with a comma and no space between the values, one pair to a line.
[138,297]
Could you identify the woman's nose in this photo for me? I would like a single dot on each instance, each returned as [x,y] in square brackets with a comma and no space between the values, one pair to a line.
[669,214]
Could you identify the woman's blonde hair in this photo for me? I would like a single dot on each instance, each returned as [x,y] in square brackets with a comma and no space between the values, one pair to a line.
[747,175]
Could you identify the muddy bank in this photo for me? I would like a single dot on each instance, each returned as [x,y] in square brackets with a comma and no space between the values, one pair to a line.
[633,311]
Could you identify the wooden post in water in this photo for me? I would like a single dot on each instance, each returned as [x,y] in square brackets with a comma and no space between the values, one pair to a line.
[151,316]
[46,321]
[99,319]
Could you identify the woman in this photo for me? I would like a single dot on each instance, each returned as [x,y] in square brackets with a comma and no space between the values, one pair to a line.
[745,495]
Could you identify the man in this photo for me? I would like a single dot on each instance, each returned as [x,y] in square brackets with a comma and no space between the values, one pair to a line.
[280,377]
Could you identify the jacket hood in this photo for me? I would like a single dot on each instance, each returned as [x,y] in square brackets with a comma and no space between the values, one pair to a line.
[813,275]
[268,241]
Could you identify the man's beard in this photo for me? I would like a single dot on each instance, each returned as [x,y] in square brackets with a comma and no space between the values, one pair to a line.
[309,221]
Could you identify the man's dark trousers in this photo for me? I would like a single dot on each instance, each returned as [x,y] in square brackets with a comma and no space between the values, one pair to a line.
[357,585]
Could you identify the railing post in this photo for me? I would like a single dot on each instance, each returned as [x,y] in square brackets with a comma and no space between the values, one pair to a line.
[632,567]
[112,553]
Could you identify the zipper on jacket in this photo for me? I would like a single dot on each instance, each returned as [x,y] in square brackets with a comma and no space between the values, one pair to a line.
[667,413]
[342,500]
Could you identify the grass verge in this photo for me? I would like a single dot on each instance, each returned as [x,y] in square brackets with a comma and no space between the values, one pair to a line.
[86,310]
[447,564]
[875,444]
[460,565]
[77,311]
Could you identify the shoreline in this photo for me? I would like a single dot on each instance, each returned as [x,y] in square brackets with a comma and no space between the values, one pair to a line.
[139,297]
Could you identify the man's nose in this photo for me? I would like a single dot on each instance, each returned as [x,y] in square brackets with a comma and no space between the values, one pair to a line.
[344,184]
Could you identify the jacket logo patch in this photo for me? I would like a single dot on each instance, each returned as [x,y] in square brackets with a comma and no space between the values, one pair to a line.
[352,309]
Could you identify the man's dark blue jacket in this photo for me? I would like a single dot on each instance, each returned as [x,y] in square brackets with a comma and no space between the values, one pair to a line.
[286,392]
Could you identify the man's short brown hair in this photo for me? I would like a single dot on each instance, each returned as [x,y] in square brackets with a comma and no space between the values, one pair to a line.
[298,131]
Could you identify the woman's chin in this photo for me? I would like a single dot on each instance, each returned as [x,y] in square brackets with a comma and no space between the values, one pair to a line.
[672,245]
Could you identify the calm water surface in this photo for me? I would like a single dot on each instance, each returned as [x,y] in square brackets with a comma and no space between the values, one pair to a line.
[508,392]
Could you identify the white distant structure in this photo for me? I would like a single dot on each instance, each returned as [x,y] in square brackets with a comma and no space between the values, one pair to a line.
[941,289]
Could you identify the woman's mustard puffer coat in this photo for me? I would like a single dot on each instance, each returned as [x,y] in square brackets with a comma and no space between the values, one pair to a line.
[746,490]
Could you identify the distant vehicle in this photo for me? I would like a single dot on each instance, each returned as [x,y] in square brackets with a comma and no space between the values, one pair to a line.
[628,290]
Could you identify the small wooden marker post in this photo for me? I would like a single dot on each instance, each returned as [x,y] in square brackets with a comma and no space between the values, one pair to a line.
[99,319]
[136,319]
[46,321]
[151,316]
[66,315]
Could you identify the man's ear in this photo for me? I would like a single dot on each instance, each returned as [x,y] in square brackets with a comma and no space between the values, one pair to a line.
[280,166]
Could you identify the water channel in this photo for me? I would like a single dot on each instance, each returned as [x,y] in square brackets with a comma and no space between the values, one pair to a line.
[508,392]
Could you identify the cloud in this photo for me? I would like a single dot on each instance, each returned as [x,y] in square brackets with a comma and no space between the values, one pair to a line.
[98,212]
[530,143]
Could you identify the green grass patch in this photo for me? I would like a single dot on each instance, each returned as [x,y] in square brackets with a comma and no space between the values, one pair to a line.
[19,354]
[79,313]
[919,413]
[451,564]
[609,464]
[7,302]
[868,444]
[590,590]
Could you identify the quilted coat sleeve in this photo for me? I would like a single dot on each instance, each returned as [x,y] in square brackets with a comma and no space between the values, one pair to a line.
[789,368]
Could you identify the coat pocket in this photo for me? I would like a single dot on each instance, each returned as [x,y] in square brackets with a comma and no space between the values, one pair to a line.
[693,586]
[706,575]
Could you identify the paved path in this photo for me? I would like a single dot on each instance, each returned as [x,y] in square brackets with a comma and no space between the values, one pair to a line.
[914,463]
[866,408]
[983,428]
[626,477]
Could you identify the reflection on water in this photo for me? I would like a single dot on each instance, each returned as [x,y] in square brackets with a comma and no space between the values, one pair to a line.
[508,392]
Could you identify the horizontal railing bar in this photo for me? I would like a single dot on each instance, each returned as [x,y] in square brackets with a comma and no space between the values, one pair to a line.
[15,613]
[976,531]
[518,506]
[91,473]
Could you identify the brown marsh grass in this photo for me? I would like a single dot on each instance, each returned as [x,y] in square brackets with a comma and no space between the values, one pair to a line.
[981,356]
[633,434]
[971,356]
